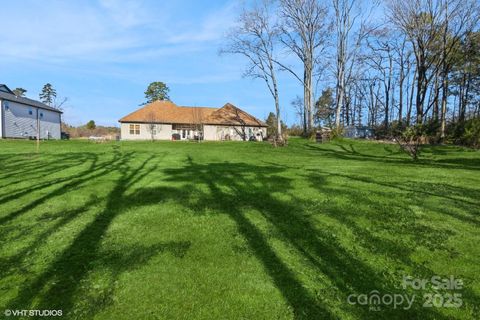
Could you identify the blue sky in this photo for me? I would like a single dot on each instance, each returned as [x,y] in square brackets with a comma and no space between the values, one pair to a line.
[103,54]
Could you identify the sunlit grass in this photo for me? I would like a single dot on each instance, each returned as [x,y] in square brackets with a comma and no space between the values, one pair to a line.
[165,230]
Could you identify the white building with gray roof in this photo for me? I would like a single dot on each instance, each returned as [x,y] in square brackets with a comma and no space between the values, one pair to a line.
[25,118]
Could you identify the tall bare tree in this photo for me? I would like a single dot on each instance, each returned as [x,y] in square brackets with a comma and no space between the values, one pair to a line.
[381,60]
[255,38]
[460,18]
[343,26]
[402,59]
[420,20]
[350,31]
[305,31]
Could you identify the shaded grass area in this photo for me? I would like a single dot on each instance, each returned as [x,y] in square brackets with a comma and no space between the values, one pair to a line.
[234,230]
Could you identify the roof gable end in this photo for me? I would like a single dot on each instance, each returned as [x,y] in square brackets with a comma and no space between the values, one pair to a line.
[4,88]
[229,114]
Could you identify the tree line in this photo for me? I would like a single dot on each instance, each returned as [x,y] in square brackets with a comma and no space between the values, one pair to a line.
[410,66]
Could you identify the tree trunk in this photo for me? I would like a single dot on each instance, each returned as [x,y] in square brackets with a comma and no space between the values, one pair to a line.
[354,109]
[340,97]
[443,115]
[308,95]
[277,111]
[463,109]
[420,95]
[400,96]
[387,92]
[347,112]
[461,97]
[387,104]
[436,100]
[410,105]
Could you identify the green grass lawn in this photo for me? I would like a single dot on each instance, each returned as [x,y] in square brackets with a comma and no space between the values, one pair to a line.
[162,230]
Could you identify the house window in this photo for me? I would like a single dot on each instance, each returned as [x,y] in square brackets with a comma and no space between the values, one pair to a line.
[134,129]
[41,114]
[6,105]
[30,112]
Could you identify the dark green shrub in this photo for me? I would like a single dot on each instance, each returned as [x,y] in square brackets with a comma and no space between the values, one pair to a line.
[471,136]
[465,133]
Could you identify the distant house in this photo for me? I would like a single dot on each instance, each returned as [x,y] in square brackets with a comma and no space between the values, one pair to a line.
[164,120]
[24,118]
[360,132]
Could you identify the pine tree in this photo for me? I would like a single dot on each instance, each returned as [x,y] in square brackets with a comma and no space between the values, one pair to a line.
[157,91]
[48,94]
[19,92]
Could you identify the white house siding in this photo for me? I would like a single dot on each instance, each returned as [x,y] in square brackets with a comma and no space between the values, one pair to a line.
[1,118]
[19,123]
[218,133]
[163,132]
[210,132]
[49,124]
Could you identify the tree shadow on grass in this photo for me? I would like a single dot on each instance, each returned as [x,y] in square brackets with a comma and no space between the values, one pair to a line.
[19,192]
[57,286]
[15,263]
[65,185]
[216,177]
[388,215]
[56,167]
[234,188]
[16,167]
[351,153]
[465,197]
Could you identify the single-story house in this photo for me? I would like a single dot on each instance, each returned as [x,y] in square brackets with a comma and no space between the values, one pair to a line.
[21,117]
[164,120]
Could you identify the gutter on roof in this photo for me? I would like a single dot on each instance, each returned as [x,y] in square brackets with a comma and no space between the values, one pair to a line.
[239,124]
[206,123]
[31,105]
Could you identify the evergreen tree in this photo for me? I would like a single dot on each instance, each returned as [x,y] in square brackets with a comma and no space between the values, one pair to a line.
[157,91]
[48,94]
[19,92]
[325,107]
[91,125]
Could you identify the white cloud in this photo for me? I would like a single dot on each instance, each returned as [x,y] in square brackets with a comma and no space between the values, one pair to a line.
[127,13]
[211,28]
[59,31]
[113,31]
[117,46]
